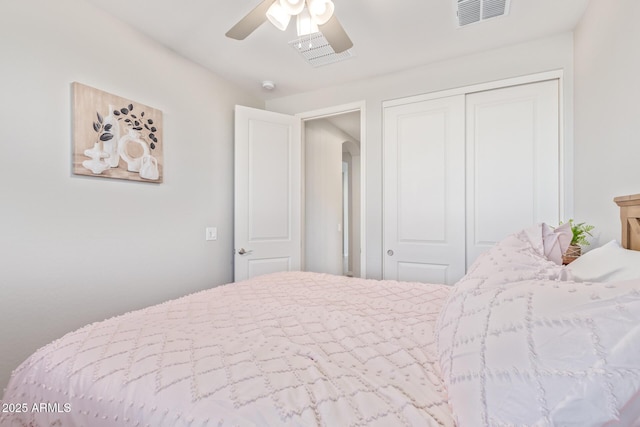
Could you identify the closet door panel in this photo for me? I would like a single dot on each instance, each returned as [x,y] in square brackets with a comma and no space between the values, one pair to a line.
[422,176]
[424,191]
[513,172]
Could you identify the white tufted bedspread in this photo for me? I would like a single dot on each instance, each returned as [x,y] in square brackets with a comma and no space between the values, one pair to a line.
[289,349]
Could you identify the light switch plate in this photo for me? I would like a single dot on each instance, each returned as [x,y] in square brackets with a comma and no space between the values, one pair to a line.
[211,233]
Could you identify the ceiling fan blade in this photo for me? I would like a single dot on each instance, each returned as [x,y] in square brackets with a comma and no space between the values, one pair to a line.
[249,23]
[336,35]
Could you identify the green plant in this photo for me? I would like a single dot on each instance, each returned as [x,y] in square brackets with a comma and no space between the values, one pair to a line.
[580,232]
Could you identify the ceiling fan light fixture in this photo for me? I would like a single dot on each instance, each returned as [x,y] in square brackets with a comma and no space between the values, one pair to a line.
[278,16]
[321,10]
[305,24]
[292,7]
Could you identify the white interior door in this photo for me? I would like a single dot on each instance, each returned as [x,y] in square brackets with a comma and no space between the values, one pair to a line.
[513,167]
[424,233]
[267,229]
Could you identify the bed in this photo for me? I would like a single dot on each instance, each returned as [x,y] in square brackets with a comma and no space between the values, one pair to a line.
[520,340]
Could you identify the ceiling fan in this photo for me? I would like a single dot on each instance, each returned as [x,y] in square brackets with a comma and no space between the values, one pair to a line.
[316,16]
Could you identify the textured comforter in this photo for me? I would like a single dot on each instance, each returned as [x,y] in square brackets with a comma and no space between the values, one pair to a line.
[289,349]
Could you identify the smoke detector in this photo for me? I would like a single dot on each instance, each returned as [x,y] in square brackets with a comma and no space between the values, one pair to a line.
[268,85]
[472,11]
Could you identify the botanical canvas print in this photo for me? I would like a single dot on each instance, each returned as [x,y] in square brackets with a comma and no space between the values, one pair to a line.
[114,137]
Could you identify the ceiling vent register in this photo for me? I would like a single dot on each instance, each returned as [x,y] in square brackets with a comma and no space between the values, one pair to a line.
[472,11]
[317,51]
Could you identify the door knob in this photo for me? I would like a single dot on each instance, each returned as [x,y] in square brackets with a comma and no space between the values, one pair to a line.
[390,252]
[242,251]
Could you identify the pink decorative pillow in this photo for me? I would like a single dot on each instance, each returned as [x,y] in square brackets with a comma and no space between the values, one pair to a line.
[556,241]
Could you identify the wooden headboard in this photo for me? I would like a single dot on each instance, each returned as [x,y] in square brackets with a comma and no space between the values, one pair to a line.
[630,218]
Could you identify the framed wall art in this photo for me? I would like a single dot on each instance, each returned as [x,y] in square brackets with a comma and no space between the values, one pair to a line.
[114,137]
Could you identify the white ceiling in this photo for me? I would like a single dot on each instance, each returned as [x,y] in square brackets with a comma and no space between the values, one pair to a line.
[388,36]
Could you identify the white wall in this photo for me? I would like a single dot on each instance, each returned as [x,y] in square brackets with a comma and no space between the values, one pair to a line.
[323,197]
[352,157]
[607,124]
[79,249]
[355,251]
[554,53]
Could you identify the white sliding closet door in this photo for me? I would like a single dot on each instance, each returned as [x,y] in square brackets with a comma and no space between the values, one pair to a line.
[424,234]
[513,172]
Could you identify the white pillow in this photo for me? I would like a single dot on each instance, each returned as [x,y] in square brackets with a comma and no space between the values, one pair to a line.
[608,263]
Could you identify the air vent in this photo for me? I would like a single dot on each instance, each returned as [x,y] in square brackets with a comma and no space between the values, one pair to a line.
[471,11]
[317,51]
